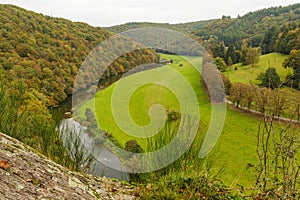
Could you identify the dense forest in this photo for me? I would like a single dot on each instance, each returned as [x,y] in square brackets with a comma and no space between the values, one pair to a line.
[251,27]
[45,53]
[40,57]
[182,27]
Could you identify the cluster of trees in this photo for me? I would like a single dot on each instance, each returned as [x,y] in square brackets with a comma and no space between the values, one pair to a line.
[283,39]
[265,100]
[46,53]
[214,83]
[228,56]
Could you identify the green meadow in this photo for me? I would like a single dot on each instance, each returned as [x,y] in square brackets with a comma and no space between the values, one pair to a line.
[237,144]
[248,74]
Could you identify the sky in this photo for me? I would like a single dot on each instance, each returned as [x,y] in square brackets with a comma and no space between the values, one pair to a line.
[112,12]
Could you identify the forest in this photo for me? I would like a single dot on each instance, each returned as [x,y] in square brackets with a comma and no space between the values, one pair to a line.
[46,53]
[251,27]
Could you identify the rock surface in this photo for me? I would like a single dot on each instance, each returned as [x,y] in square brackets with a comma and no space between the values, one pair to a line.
[24,174]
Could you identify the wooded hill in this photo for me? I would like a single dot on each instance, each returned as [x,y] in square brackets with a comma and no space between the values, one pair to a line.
[181,27]
[250,28]
[45,53]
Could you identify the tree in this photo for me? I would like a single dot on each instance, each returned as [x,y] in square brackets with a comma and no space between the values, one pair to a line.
[220,63]
[270,78]
[237,56]
[288,39]
[242,94]
[227,83]
[230,54]
[268,42]
[236,93]
[212,81]
[229,62]
[277,150]
[251,57]
[293,61]
[219,51]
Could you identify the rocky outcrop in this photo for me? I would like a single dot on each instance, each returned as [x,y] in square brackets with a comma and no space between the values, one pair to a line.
[25,174]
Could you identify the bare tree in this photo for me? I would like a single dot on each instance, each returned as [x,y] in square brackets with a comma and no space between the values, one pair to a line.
[278,143]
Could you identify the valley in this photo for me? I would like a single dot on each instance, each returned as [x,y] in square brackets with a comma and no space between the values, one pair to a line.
[153,121]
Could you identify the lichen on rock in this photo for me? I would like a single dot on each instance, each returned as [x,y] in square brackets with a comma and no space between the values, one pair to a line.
[25,174]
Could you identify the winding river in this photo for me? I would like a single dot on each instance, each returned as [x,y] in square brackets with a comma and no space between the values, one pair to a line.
[103,157]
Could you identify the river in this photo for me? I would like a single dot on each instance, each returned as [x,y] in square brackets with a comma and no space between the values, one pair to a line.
[103,157]
[66,105]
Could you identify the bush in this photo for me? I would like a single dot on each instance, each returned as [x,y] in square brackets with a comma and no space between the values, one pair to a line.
[133,147]
[173,115]
[220,63]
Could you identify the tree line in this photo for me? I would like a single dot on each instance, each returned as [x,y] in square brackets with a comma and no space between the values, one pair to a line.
[266,100]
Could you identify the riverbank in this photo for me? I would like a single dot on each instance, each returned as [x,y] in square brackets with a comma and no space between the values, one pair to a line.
[96,158]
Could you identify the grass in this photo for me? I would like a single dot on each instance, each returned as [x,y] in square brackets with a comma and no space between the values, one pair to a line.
[237,144]
[146,96]
[248,74]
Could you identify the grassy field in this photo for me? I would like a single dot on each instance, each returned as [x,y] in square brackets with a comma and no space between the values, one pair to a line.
[146,96]
[236,146]
[248,74]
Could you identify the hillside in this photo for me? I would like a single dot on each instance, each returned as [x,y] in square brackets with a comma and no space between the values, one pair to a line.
[251,27]
[25,174]
[248,74]
[45,53]
[182,27]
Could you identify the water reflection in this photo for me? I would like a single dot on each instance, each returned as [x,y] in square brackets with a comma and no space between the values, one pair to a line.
[77,140]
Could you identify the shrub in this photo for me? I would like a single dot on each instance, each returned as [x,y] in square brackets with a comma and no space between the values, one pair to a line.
[133,147]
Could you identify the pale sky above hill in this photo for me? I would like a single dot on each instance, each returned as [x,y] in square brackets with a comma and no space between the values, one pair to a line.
[113,12]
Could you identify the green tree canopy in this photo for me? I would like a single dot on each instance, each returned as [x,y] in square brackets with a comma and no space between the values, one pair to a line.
[220,63]
[293,61]
[251,56]
[270,78]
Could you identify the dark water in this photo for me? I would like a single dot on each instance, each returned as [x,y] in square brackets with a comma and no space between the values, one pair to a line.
[66,105]
[105,163]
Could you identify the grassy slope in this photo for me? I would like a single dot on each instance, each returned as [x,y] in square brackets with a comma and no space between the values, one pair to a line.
[236,146]
[247,74]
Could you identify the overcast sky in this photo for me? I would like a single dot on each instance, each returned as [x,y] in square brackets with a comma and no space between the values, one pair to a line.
[113,12]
